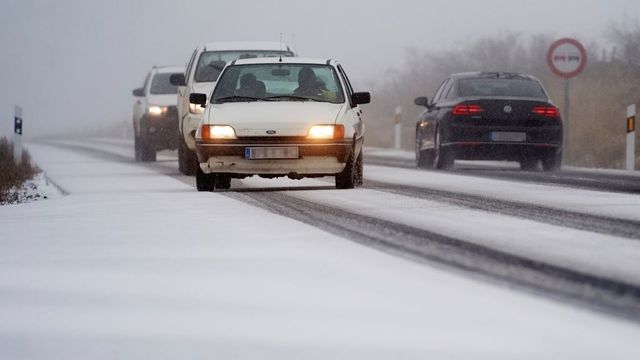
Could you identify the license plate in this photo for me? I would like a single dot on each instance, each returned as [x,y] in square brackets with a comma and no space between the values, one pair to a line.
[508,136]
[258,153]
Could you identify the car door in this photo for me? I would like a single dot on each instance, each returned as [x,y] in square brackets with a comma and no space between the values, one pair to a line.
[183,91]
[430,117]
[140,104]
[354,111]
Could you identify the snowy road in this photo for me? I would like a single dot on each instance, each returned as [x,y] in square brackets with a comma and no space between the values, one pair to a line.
[134,258]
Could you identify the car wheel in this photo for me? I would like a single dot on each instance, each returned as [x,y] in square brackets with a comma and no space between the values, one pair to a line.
[552,162]
[136,149]
[147,153]
[424,158]
[529,164]
[205,182]
[223,181]
[442,157]
[346,179]
[187,160]
[359,171]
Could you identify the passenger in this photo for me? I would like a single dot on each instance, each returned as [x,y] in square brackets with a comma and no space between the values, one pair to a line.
[250,86]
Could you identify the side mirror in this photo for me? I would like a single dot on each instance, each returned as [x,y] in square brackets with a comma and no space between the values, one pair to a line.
[138,92]
[422,101]
[177,80]
[361,98]
[198,99]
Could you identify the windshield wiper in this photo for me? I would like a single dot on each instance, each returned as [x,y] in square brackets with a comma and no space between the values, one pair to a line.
[236,98]
[290,97]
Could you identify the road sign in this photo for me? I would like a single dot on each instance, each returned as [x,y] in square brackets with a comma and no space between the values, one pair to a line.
[567,58]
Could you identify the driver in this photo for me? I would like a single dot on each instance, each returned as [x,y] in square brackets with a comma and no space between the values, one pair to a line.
[308,84]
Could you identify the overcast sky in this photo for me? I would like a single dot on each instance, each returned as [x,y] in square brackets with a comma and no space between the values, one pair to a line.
[73,64]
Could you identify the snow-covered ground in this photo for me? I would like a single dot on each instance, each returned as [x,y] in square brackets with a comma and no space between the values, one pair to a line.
[133,264]
[38,188]
[404,155]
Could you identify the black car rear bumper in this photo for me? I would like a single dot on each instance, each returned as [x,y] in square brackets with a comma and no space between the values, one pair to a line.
[471,142]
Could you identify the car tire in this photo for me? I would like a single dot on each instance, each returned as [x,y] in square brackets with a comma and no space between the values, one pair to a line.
[443,158]
[424,158]
[552,162]
[205,182]
[187,160]
[136,149]
[529,164]
[223,181]
[147,153]
[347,178]
[359,170]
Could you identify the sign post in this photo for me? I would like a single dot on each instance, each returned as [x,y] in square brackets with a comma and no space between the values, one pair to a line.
[17,135]
[567,58]
[631,137]
[398,129]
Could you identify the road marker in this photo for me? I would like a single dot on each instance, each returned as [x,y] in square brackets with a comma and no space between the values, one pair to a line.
[397,119]
[631,137]
[17,135]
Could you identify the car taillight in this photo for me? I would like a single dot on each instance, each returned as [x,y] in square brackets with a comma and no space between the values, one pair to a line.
[467,109]
[547,111]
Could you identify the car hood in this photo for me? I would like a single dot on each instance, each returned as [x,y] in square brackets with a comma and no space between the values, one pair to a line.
[163,100]
[284,117]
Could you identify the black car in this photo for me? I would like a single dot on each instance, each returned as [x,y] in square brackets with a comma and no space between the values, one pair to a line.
[489,116]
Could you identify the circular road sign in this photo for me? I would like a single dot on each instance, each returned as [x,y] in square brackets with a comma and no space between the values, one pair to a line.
[567,58]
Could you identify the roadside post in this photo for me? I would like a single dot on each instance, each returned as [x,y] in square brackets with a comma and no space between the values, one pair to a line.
[567,58]
[17,135]
[398,129]
[631,137]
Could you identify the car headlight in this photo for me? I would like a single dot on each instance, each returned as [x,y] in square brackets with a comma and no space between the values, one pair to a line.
[196,109]
[217,132]
[156,110]
[326,132]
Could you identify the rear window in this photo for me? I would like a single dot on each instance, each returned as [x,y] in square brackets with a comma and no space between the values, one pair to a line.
[211,63]
[501,87]
[160,85]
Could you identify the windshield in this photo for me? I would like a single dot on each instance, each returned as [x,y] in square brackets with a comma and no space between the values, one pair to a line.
[284,82]
[160,85]
[211,63]
[501,87]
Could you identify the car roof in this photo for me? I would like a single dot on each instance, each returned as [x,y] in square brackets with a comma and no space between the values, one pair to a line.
[492,75]
[169,69]
[246,45]
[284,60]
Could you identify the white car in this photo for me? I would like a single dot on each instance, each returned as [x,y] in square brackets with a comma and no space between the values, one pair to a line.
[278,117]
[155,118]
[203,69]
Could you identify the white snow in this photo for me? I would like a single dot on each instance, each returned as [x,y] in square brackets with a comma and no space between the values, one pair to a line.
[622,206]
[38,188]
[133,264]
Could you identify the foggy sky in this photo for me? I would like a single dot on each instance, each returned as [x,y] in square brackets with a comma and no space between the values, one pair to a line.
[73,64]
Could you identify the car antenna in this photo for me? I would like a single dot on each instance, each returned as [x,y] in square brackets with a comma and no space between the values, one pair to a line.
[281,47]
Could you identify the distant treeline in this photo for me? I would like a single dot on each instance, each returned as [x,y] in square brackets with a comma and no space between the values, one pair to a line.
[599,95]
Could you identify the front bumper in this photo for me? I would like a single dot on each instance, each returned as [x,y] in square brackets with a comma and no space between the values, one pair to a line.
[315,158]
[160,132]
